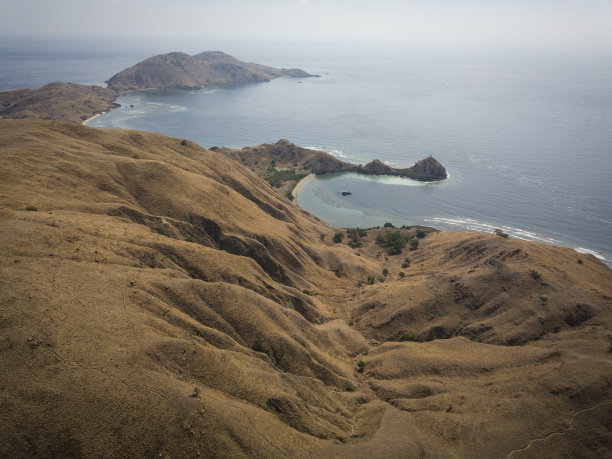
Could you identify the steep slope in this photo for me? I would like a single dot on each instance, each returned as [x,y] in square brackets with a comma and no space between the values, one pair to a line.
[179,70]
[158,298]
[57,101]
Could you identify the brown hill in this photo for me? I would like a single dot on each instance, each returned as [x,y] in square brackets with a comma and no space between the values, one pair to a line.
[179,70]
[159,299]
[429,168]
[377,167]
[57,101]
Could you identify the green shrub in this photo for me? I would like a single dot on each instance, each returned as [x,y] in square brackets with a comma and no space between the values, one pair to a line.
[371,280]
[393,241]
[409,336]
[500,233]
[388,225]
[258,345]
[276,178]
[414,244]
[405,265]
[385,272]
[160,230]
[421,234]
[31,209]
[402,274]
[349,387]
[338,237]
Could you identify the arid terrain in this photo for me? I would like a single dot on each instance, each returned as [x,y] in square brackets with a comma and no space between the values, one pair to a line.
[158,299]
[57,101]
[180,70]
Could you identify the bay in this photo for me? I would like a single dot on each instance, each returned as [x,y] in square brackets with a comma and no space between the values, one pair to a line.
[526,138]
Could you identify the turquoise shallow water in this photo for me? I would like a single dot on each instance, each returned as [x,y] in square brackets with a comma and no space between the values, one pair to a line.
[527,139]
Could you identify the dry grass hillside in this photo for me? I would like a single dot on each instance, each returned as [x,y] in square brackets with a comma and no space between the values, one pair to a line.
[160,299]
[180,70]
[57,101]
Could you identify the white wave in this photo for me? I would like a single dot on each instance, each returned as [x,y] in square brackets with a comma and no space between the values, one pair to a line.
[519,233]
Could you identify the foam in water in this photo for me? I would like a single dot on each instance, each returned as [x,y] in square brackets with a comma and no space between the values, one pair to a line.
[519,233]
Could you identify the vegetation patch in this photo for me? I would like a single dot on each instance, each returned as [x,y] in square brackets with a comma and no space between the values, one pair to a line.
[393,241]
[276,177]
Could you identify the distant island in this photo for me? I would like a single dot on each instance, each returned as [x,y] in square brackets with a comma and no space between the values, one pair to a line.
[283,164]
[77,103]
[182,71]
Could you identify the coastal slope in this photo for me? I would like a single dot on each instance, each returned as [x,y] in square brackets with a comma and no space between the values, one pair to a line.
[160,299]
[57,101]
[180,70]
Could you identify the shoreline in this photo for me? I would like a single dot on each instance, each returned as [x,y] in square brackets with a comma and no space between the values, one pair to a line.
[84,123]
[298,187]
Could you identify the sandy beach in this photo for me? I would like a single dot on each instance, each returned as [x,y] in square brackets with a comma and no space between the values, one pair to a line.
[92,118]
[300,184]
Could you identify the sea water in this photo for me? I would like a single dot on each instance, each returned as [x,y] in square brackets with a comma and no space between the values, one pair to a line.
[526,137]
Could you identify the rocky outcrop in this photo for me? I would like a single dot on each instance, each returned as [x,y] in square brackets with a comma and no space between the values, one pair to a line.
[429,169]
[377,167]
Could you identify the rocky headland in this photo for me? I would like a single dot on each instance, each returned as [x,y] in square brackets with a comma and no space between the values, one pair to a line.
[283,164]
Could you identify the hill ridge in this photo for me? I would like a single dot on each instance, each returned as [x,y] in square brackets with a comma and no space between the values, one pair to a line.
[158,298]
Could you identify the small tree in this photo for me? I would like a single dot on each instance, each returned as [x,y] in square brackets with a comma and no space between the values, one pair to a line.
[414,244]
[393,241]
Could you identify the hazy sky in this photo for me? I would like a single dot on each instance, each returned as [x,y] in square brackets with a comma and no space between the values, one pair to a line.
[492,23]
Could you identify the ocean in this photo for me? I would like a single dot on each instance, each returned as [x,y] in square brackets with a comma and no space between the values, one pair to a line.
[526,137]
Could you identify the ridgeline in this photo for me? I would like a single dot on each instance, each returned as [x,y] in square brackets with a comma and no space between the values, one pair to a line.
[160,299]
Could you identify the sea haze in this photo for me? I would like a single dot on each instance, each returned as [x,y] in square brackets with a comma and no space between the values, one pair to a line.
[527,139]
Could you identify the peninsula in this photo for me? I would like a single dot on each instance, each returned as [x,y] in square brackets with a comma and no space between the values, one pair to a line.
[77,103]
[283,164]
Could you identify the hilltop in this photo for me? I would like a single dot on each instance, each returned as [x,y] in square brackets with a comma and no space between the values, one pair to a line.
[160,299]
[180,70]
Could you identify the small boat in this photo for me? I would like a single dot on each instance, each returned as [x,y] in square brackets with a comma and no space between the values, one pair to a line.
[346,193]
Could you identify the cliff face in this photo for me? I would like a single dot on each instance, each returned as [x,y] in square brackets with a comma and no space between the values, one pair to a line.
[179,70]
[57,101]
[165,298]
